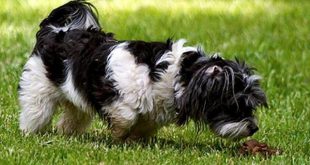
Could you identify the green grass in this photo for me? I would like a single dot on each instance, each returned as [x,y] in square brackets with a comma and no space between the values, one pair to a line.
[273,36]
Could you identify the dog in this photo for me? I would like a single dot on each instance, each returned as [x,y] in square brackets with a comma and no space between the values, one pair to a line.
[136,86]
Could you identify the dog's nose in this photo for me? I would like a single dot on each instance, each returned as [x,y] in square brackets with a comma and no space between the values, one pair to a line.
[252,129]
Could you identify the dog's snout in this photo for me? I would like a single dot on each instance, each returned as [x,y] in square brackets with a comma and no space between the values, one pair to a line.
[252,129]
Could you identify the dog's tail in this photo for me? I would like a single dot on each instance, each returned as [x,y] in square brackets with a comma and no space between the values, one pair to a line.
[72,15]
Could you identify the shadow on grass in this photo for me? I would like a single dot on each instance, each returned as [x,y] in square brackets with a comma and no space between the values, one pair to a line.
[214,145]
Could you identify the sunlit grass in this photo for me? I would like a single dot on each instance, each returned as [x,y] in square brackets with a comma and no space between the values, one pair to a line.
[212,6]
[273,36]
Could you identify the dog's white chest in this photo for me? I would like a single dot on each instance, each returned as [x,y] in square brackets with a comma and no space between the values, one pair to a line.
[137,91]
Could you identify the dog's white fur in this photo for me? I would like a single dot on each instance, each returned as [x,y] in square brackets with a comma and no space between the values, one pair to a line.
[73,95]
[80,23]
[234,129]
[39,97]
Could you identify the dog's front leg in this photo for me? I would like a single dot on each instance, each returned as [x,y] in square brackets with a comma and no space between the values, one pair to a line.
[122,119]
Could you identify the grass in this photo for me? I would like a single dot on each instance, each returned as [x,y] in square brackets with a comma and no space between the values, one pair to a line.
[273,36]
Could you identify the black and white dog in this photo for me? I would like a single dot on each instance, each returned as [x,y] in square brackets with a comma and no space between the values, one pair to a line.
[137,86]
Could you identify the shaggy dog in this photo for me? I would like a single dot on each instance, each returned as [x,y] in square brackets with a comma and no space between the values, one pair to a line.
[136,86]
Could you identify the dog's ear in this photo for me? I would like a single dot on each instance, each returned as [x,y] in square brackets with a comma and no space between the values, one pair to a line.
[188,106]
[253,95]
[193,101]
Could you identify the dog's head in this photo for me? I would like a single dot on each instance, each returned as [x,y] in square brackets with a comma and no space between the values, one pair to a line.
[222,94]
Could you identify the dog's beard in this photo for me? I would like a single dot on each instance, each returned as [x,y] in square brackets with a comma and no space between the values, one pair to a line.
[236,129]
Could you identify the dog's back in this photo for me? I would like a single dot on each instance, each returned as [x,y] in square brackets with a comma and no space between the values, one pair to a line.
[86,69]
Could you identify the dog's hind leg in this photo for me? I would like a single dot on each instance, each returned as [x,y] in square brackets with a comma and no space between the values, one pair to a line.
[37,96]
[73,120]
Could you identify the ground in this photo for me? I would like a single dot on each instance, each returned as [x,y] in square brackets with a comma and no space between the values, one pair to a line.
[273,36]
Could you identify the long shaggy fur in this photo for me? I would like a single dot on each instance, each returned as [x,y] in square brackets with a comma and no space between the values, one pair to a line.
[136,86]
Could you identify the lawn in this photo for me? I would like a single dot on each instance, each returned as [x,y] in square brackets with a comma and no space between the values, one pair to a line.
[272,35]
